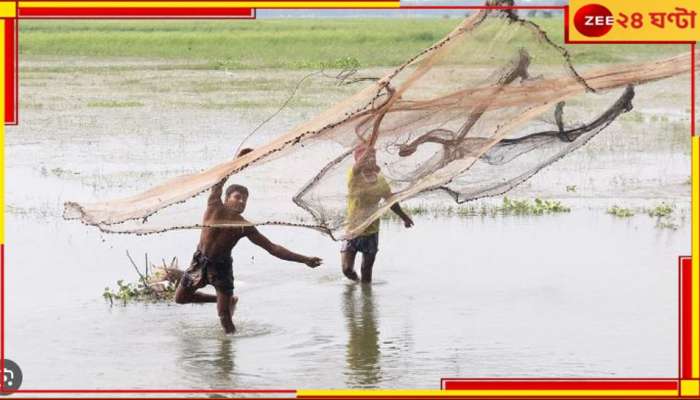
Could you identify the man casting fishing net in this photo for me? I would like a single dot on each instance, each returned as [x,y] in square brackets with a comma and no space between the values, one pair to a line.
[474,115]
[212,263]
[366,188]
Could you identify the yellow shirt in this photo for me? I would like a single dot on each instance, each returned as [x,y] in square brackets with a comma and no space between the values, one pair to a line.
[363,199]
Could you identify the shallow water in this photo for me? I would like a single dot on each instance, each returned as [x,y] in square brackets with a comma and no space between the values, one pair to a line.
[568,295]
[581,294]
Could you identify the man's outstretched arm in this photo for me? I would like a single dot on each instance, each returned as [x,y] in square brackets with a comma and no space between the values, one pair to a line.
[407,221]
[218,189]
[215,194]
[280,252]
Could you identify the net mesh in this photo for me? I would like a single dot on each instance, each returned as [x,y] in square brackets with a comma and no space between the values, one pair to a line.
[474,115]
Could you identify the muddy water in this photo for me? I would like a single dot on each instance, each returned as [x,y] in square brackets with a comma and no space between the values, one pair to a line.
[579,294]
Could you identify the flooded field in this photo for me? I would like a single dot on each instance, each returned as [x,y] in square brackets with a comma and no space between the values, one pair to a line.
[576,294]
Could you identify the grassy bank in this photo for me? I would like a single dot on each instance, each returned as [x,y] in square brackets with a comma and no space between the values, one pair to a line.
[283,43]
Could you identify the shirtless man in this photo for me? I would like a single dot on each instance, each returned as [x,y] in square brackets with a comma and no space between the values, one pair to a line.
[212,263]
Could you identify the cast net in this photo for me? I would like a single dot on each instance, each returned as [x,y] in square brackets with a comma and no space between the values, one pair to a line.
[474,115]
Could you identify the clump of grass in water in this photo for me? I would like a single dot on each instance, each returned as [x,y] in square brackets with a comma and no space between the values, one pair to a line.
[664,216]
[661,211]
[620,212]
[127,291]
[525,207]
[158,285]
[508,207]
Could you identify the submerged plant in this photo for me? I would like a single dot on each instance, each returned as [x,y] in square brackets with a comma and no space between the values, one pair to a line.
[666,224]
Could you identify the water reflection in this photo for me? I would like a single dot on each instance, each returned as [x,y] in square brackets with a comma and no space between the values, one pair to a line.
[363,354]
[207,357]
[225,361]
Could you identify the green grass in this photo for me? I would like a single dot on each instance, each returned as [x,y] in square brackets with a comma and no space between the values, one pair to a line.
[661,211]
[538,207]
[153,285]
[507,207]
[283,43]
[620,212]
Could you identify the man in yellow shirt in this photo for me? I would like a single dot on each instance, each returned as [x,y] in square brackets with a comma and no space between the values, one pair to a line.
[366,188]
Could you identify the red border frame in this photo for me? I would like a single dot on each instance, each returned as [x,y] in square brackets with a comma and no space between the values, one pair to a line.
[11,71]
[131,13]
[685,272]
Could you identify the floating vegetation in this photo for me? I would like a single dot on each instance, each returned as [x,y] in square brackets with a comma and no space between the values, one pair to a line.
[539,207]
[58,172]
[507,207]
[620,212]
[664,216]
[661,211]
[157,283]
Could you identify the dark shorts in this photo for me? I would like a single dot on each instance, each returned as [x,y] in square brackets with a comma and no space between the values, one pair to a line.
[367,244]
[205,271]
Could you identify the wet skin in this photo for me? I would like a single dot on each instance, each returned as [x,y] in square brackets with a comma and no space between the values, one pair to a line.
[218,242]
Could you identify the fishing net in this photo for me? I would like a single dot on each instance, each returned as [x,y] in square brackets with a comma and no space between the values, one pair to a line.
[474,115]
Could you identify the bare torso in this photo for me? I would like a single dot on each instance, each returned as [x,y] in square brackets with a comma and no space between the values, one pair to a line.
[218,242]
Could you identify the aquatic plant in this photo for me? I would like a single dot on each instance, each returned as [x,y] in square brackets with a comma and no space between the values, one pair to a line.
[660,211]
[620,212]
[539,207]
[158,284]
[507,207]
[664,216]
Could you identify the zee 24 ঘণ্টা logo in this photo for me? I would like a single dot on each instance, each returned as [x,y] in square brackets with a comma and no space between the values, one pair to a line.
[595,20]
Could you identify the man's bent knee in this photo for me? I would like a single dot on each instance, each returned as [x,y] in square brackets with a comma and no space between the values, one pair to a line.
[182,296]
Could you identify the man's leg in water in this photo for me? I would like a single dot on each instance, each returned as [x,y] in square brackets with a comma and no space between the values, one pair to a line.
[225,304]
[367,265]
[348,263]
[184,295]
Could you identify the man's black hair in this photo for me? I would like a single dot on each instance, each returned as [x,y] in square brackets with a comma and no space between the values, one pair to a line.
[236,188]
